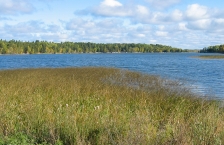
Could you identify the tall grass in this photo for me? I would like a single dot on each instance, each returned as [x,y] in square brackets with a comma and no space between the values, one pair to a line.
[103,106]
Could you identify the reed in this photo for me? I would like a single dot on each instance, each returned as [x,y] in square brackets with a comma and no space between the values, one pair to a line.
[211,56]
[103,106]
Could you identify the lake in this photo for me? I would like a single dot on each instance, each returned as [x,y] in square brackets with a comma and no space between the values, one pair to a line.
[205,77]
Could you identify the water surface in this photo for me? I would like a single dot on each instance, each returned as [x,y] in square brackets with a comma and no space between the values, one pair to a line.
[205,77]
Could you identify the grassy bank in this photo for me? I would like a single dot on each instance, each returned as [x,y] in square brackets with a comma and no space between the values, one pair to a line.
[102,106]
[211,56]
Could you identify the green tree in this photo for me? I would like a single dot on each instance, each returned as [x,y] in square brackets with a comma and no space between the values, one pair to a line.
[221,48]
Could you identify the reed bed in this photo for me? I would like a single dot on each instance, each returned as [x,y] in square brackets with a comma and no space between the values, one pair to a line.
[211,56]
[91,106]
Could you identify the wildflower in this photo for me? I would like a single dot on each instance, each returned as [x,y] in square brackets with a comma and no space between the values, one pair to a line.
[97,107]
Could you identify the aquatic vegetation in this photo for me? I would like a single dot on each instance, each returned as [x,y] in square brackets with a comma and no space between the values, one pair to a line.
[103,106]
[211,56]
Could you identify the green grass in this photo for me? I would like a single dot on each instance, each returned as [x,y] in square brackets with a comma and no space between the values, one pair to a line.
[211,56]
[103,106]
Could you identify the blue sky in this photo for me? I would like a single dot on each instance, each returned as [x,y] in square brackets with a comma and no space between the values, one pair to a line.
[187,24]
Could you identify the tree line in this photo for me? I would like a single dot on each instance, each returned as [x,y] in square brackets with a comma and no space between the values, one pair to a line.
[213,49]
[35,47]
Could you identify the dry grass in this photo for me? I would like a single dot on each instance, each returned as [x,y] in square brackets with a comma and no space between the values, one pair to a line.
[102,106]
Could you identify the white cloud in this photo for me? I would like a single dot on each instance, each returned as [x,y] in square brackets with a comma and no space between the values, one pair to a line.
[208,25]
[162,3]
[79,23]
[111,3]
[199,24]
[161,27]
[161,33]
[96,30]
[141,35]
[55,37]
[142,10]
[152,41]
[177,15]
[108,30]
[182,26]
[26,27]
[196,11]
[111,10]
[108,8]
[218,24]
[32,30]
[12,7]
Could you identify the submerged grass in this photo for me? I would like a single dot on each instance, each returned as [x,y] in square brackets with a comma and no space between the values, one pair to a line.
[211,56]
[103,106]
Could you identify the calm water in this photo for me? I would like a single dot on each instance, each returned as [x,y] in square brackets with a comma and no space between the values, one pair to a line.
[203,76]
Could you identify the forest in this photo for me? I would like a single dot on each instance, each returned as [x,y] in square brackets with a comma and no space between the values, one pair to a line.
[36,47]
[213,49]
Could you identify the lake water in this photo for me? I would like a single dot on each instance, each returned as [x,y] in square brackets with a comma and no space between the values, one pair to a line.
[205,77]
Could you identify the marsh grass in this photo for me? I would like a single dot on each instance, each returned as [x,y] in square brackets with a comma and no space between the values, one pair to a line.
[103,106]
[211,57]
